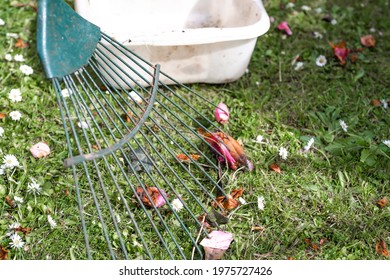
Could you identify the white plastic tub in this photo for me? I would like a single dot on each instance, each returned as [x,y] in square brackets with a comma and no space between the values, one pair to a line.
[208,41]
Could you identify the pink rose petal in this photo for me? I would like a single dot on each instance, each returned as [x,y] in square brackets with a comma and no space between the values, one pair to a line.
[218,239]
[283,26]
[40,150]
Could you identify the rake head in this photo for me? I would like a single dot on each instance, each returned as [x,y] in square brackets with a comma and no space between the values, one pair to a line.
[144,172]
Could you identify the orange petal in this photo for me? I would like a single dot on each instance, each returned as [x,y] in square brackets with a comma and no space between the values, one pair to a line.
[368,41]
[21,44]
[183,157]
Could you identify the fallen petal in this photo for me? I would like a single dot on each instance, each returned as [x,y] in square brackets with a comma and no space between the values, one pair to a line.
[222,113]
[40,150]
[158,196]
[368,41]
[340,51]
[218,240]
[283,26]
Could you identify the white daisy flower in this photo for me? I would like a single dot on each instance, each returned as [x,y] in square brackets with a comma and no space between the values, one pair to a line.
[27,70]
[15,95]
[15,115]
[1,131]
[33,187]
[343,125]
[242,201]
[177,205]
[317,35]
[305,8]
[283,153]
[290,5]
[66,92]
[83,124]
[321,61]
[52,223]
[8,57]
[12,35]
[333,22]
[18,200]
[19,58]
[259,139]
[11,228]
[16,241]
[318,10]
[10,161]
[298,66]
[384,103]
[260,202]
[386,142]
[309,144]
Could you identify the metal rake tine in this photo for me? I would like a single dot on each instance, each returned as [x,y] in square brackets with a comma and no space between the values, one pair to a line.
[99,176]
[85,105]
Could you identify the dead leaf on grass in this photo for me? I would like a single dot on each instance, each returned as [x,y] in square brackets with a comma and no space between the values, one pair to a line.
[184,158]
[21,44]
[376,102]
[10,202]
[368,41]
[2,115]
[275,167]
[382,202]
[3,253]
[381,248]
[22,229]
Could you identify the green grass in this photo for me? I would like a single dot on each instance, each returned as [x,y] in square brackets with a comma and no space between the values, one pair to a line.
[328,194]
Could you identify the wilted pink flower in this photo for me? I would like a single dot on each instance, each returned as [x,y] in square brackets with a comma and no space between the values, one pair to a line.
[222,113]
[39,150]
[283,26]
[228,149]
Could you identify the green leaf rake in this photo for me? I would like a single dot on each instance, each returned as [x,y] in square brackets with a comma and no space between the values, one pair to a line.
[125,129]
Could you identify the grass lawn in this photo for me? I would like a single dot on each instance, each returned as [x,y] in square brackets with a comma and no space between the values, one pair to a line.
[328,202]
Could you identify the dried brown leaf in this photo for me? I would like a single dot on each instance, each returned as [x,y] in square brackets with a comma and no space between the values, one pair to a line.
[2,115]
[257,228]
[275,167]
[376,102]
[21,44]
[382,202]
[236,193]
[225,202]
[183,157]
[22,229]
[3,253]
[381,248]
[10,202]
[368,41]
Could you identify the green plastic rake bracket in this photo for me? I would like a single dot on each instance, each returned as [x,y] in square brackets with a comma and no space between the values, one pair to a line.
[65,40]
